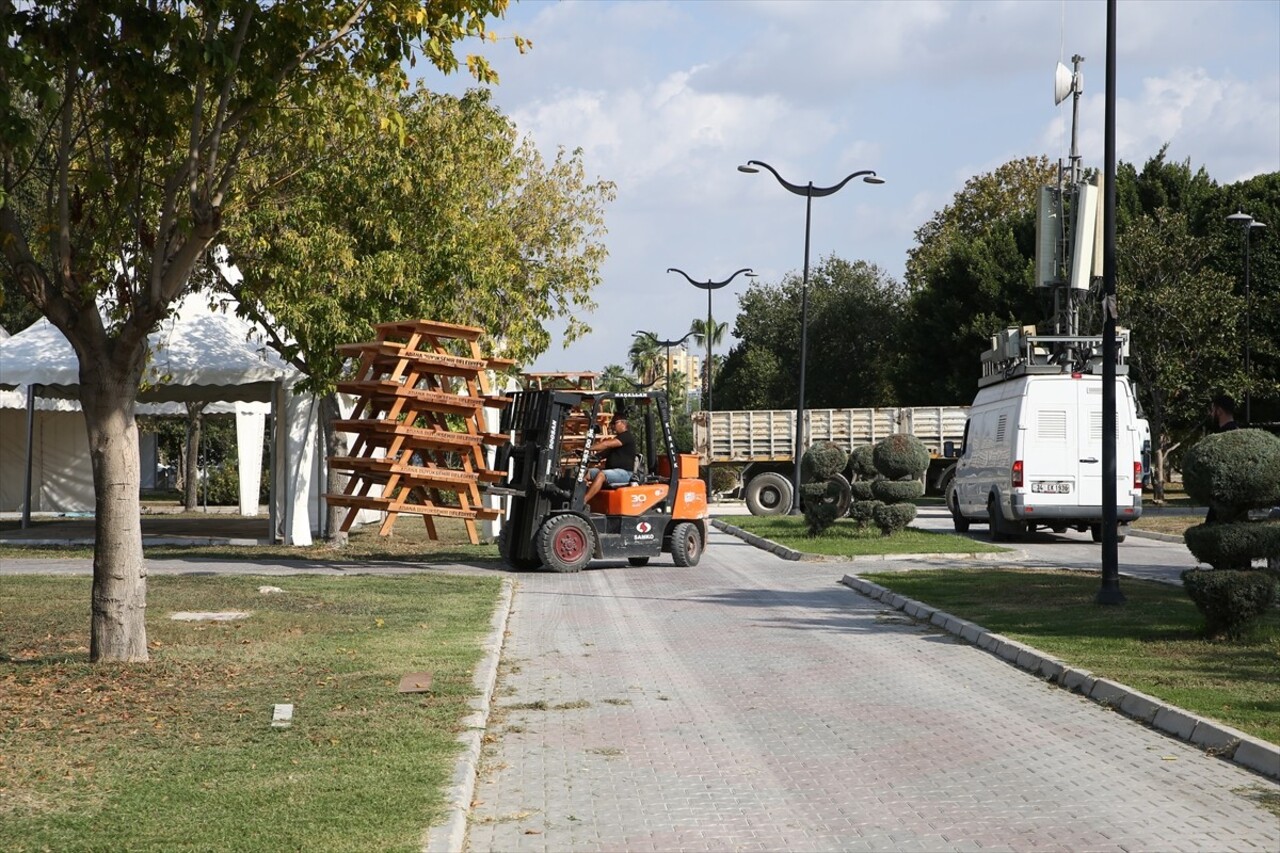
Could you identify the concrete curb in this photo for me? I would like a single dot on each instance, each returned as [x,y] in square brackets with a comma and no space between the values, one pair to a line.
[789,554]
[450,835]
[1213,737]
[1152,534]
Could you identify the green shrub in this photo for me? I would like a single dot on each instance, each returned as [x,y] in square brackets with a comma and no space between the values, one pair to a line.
[824,502]
[723,480]
[222,486]
[1234,472]
[863,490]
[1229,600]
[864,511]
[901,456]
[823,459]
[862,462]
[1233,546]
[891,518]
[897,491]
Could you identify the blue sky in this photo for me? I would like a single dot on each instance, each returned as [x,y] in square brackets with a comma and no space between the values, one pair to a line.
[667,98]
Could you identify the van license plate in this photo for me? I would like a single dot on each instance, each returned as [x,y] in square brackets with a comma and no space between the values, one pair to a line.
[1051,487]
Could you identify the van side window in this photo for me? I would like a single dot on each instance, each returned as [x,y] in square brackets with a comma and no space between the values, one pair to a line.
[964,439]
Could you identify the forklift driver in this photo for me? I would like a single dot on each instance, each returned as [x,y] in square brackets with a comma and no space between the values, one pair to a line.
[619,458]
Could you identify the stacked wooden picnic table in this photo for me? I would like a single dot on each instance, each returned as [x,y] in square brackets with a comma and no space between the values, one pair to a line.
[421,389]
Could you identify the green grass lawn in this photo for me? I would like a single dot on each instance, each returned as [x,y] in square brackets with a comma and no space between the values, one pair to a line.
[846,538]
[1152,643]
[179,754]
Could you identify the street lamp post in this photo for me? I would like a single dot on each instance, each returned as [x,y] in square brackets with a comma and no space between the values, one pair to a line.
[810,192]
[668,345]
[710,286]
[1247,223]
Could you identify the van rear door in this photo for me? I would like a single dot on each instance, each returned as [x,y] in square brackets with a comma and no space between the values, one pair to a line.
[1050,457]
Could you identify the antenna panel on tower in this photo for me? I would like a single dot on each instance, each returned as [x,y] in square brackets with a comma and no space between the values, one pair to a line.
[1084,236]
[1048,239]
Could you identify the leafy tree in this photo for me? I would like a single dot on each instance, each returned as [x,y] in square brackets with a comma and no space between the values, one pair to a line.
[1181,314]
[431,207]
[125,132]
[970,275]
[854,315]
[1259,197]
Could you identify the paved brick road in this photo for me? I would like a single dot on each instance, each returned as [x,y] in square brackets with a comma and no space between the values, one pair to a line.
[755,704]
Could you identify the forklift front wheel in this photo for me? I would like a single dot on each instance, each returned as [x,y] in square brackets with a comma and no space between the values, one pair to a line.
[686,544]
[566,543]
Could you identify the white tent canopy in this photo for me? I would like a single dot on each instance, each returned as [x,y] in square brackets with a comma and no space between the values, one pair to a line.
[200,354]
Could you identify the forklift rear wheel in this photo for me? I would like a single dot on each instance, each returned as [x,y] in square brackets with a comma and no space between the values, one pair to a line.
[523,564]
[686,544]
[638,561]
[566,543]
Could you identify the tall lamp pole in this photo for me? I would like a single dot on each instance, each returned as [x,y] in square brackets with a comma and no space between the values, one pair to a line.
[1247,223]
[810,192]
[710,286]
[668,345]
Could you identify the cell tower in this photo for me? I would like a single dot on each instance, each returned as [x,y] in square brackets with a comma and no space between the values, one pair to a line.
[1068,236]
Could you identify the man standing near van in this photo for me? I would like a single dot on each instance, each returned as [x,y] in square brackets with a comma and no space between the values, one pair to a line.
[1222,411]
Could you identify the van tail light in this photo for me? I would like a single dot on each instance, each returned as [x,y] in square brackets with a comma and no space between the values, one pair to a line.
[1017,474]
[1137,475]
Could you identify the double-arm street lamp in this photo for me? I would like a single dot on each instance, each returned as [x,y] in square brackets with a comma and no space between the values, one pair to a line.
[810,192]
[668,344]
[1247,223]
[709,333]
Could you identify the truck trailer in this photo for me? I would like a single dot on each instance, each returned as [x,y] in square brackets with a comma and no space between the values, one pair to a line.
[759,446]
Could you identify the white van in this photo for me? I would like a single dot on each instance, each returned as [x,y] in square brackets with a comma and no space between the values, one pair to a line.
[1032,457]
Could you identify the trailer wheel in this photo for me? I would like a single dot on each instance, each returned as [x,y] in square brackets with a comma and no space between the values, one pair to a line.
[845,499]
[768,493]
[686,544]
[638,561]
[566,543]
[522,564]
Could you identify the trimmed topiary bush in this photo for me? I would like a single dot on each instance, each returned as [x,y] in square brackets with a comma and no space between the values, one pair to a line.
[891,518]
[862,490]
[723,480]
[864,511]
[1234,546]
[1233,472]
[901,456]
[897,491]
[862,462]
[1229,600]
[823,459]
[824,502]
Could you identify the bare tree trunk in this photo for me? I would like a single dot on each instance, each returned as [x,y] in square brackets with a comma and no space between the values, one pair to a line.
[335,444]
[118,631]
[195,425]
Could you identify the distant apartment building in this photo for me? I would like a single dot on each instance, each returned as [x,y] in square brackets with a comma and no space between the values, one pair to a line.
[689,366]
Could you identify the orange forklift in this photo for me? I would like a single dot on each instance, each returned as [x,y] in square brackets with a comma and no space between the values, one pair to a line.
[548,523]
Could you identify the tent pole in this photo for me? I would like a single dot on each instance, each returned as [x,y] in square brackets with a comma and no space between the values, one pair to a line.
[272,456]
[31,425]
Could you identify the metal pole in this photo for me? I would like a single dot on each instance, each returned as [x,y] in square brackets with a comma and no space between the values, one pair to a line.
[804,352]
[708,333]
[1248,368]
[26,490]
[1110,592]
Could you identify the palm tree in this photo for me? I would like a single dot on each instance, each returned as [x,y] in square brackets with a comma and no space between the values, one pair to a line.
[699,329]
[645,357]
[614,378]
